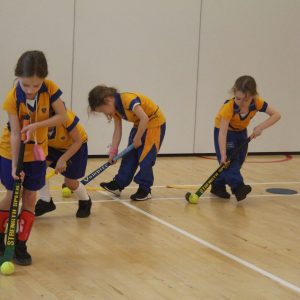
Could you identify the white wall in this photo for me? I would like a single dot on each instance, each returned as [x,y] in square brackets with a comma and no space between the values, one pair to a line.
[153,47]
[144,46]
[37,24]
[259,38]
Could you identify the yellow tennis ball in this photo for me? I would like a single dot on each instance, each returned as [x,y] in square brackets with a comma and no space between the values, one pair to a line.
[66,192]
[193,198]
[7,268]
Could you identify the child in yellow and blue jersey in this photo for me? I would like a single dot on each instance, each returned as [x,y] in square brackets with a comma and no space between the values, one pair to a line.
[67,154]
[230,133]
[33,96]
[147,134]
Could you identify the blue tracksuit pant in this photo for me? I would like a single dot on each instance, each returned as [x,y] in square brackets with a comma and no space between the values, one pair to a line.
[143,157]
[232,175]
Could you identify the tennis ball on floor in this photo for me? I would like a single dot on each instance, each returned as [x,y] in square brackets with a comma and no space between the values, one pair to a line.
[7,268]
[66,192]
[193,198]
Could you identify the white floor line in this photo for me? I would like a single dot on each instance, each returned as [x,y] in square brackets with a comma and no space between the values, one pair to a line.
[251,183]
[272,195]
[209,245]
[126,202]
[76,201]
[167,198]
[216,249]
[198,185]
[271,183]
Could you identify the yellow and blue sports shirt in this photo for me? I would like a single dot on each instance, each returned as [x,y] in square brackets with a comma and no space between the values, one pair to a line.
[15,103]
[59,137]
[231,112]
[125,103]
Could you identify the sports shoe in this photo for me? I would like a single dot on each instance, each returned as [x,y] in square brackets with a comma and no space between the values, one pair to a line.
[111,187]
[2,244]
[242,191]
[84,208]
[220,191]
[21,257]
[43,207]
[141,195]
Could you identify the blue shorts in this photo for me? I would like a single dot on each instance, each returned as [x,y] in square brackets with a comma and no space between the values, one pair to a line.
[35,172]
[76,165]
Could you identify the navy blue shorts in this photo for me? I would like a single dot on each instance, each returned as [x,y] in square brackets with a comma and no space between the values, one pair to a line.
[76,165]
[35,172]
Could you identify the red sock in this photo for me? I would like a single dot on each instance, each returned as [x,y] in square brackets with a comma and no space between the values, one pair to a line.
[3,220]
[25,223]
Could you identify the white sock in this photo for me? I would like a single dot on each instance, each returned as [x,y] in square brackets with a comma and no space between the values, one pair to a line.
[45,192]
[81,192]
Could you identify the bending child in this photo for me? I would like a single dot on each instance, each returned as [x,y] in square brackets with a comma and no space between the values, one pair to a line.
[230,132]
[67,154]
[147,134]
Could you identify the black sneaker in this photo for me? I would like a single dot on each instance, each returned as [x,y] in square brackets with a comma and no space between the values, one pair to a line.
[112,187]
[242,191]
[220,191]
[22,257]
[2,244]
[84,208]
[43,207]
[141,195]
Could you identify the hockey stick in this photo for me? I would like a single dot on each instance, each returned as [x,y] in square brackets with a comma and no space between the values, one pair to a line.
[193,198]
[50,174]
[14,206]
[98,171]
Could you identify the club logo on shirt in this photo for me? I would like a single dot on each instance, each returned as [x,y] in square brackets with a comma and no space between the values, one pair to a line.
[44,110]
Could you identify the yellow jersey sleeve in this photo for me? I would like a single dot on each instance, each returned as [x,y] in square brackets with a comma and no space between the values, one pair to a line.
[261,105]
[59,137]
[126,102]
[72,121]
[133,103]
[129,101]
[9,104]
[226,111]
[53,90]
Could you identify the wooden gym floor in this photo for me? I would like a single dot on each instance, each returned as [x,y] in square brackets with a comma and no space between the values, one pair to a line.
[165,248]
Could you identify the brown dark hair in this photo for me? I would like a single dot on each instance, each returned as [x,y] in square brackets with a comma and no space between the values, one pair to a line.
[98,94]
[246,84]
[32,63]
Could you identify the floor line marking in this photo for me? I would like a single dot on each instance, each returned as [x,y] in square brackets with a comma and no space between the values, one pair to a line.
[251,183]
[197,185]
[237,259]
[126,202]
[168,198]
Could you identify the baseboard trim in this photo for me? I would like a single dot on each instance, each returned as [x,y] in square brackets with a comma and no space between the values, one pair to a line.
[210,154]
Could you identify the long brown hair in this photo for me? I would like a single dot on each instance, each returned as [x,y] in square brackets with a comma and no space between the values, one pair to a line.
[98,95]
[32,63]
[246,84]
